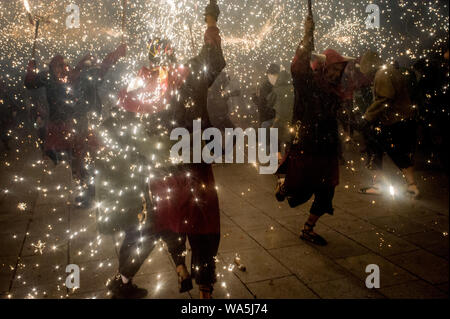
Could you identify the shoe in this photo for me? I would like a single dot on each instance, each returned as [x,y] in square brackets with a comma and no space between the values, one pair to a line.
[308,234]
[185,284]
[280,191]
[113,283]
[206,291]
[413,191]
[129,290]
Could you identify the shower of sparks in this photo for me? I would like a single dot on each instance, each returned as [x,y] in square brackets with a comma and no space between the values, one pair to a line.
[255,33]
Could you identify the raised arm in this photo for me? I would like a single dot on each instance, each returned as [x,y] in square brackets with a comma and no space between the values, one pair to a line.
[204,69]
[138,101]
[210,61]
[301,63]
[112,59]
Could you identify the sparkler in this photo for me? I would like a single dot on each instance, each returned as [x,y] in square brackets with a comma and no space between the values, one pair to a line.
[36,30]
[124,12]
[194,49]
[310,14]
[36,22]
[28,9]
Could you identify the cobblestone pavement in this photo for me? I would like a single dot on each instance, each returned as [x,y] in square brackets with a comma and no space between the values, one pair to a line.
[41,233]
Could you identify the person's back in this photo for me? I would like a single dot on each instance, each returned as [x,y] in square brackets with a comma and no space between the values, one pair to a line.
[390,87]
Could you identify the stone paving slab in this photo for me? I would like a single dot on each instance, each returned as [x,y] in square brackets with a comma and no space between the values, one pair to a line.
[32,273]
[346,223]
[399,225]
[229,285]
[424,264]
[271,237]
[382,242]
[413,290]
[390,273]
[235,239]
[260,265]
[345,288]
[308,264]
[252,220]
[340,246]
[282,288]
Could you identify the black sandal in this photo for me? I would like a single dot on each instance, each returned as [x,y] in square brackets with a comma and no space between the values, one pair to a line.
[308,234]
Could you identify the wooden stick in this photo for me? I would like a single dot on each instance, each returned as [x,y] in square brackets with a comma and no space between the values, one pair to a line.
[124,12]
[36,32]
[310,13]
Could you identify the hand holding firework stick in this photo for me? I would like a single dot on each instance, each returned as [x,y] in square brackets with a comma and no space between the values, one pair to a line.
[36,20]
[212,12]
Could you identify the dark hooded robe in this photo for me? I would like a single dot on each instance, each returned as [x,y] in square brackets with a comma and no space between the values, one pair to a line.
[312,160]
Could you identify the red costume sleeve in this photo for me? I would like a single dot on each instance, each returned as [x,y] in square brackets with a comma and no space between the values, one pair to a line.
[134,101]
[212,37]
[129,101]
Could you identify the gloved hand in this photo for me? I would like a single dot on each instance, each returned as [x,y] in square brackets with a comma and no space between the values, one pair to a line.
[212,9]
[122,50]
[309,25]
